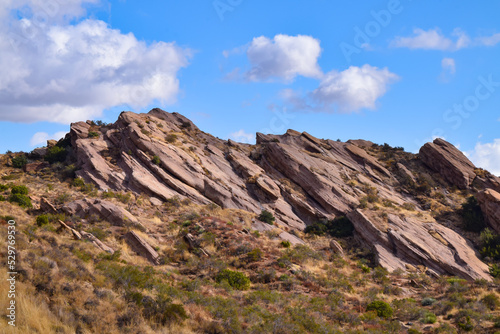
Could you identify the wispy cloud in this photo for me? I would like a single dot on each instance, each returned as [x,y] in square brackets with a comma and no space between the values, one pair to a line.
[40,138]
[487,156]
[243,137]
[432,39]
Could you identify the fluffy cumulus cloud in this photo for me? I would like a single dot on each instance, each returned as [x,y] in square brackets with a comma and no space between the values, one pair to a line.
[60,72]
[40,138]
[432,39]
[353,89]
[487,156]
[283,57]
[243,137]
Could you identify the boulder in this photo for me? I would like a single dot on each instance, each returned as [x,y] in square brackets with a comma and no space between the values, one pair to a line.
[489,200]
[445,159]
[407,241]
[140,246]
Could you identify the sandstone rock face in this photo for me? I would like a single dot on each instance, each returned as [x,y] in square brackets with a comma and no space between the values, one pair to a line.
[489,200]
[299,178]
[402,242]
[448,161]
[106,210]
[141,247]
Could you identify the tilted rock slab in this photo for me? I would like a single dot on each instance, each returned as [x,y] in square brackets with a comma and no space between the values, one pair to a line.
[299,178]
[140,246]
[489,200]
[448,161]
[407,241]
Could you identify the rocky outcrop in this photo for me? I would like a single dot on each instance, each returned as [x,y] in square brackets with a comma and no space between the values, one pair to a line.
[489,200]
[299,178]
[449,162]
[400,242]
[141,247]
[106,210]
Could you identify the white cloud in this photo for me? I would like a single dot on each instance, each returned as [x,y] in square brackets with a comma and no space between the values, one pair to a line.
[283,57]
[487,156]
[432,39]
[243,137]
[489,40]
[55,71]
[354,88]
[40,138]
[448,65]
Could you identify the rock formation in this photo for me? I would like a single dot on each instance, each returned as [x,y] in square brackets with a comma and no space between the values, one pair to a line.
[299,178]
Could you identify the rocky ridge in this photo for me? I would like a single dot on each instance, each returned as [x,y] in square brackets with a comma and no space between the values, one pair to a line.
[299,178]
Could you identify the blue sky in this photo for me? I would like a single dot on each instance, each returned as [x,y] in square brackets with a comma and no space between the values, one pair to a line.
[397,72]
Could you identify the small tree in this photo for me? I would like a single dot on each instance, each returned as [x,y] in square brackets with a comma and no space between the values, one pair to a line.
[266,217]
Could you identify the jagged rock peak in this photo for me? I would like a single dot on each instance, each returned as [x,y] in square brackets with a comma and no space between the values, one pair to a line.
[299,178]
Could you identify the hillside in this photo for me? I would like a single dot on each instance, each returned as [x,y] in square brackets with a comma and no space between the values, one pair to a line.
[151,225]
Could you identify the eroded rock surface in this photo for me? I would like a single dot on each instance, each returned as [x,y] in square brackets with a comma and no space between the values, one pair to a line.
[489,201]
[299,178]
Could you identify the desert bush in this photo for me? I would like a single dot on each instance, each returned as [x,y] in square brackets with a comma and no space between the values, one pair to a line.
[495,270]
[62,198]
[429,318]
[162,312]
[78,182]
[42,220]
[171,138]
[428,301]
[490,244]
[491,301]
[409,206]
[236,280]
[254,255]
[286,244]
[20,161]
[56,154]
[266,217]
[23,200]
[4,187]
[93,134]
[339,227]
[21,190]
[156,160]
[472,216]
[383,309]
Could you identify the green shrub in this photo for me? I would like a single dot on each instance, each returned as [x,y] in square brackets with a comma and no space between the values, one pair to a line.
[78,182]
[490,244]
[171,138]
[56,154]
[428,301]
[383,309]
[491,301]
[93,134]
[254,255]
[156,160]
[236,280]
[429,318]
[472,216]
[23,200]
[2,199]
[286,244]
[4,187]
[339,227]
[21,190]
[20,161]
[161,311]
[42,220]
[495,270]
[267,217]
